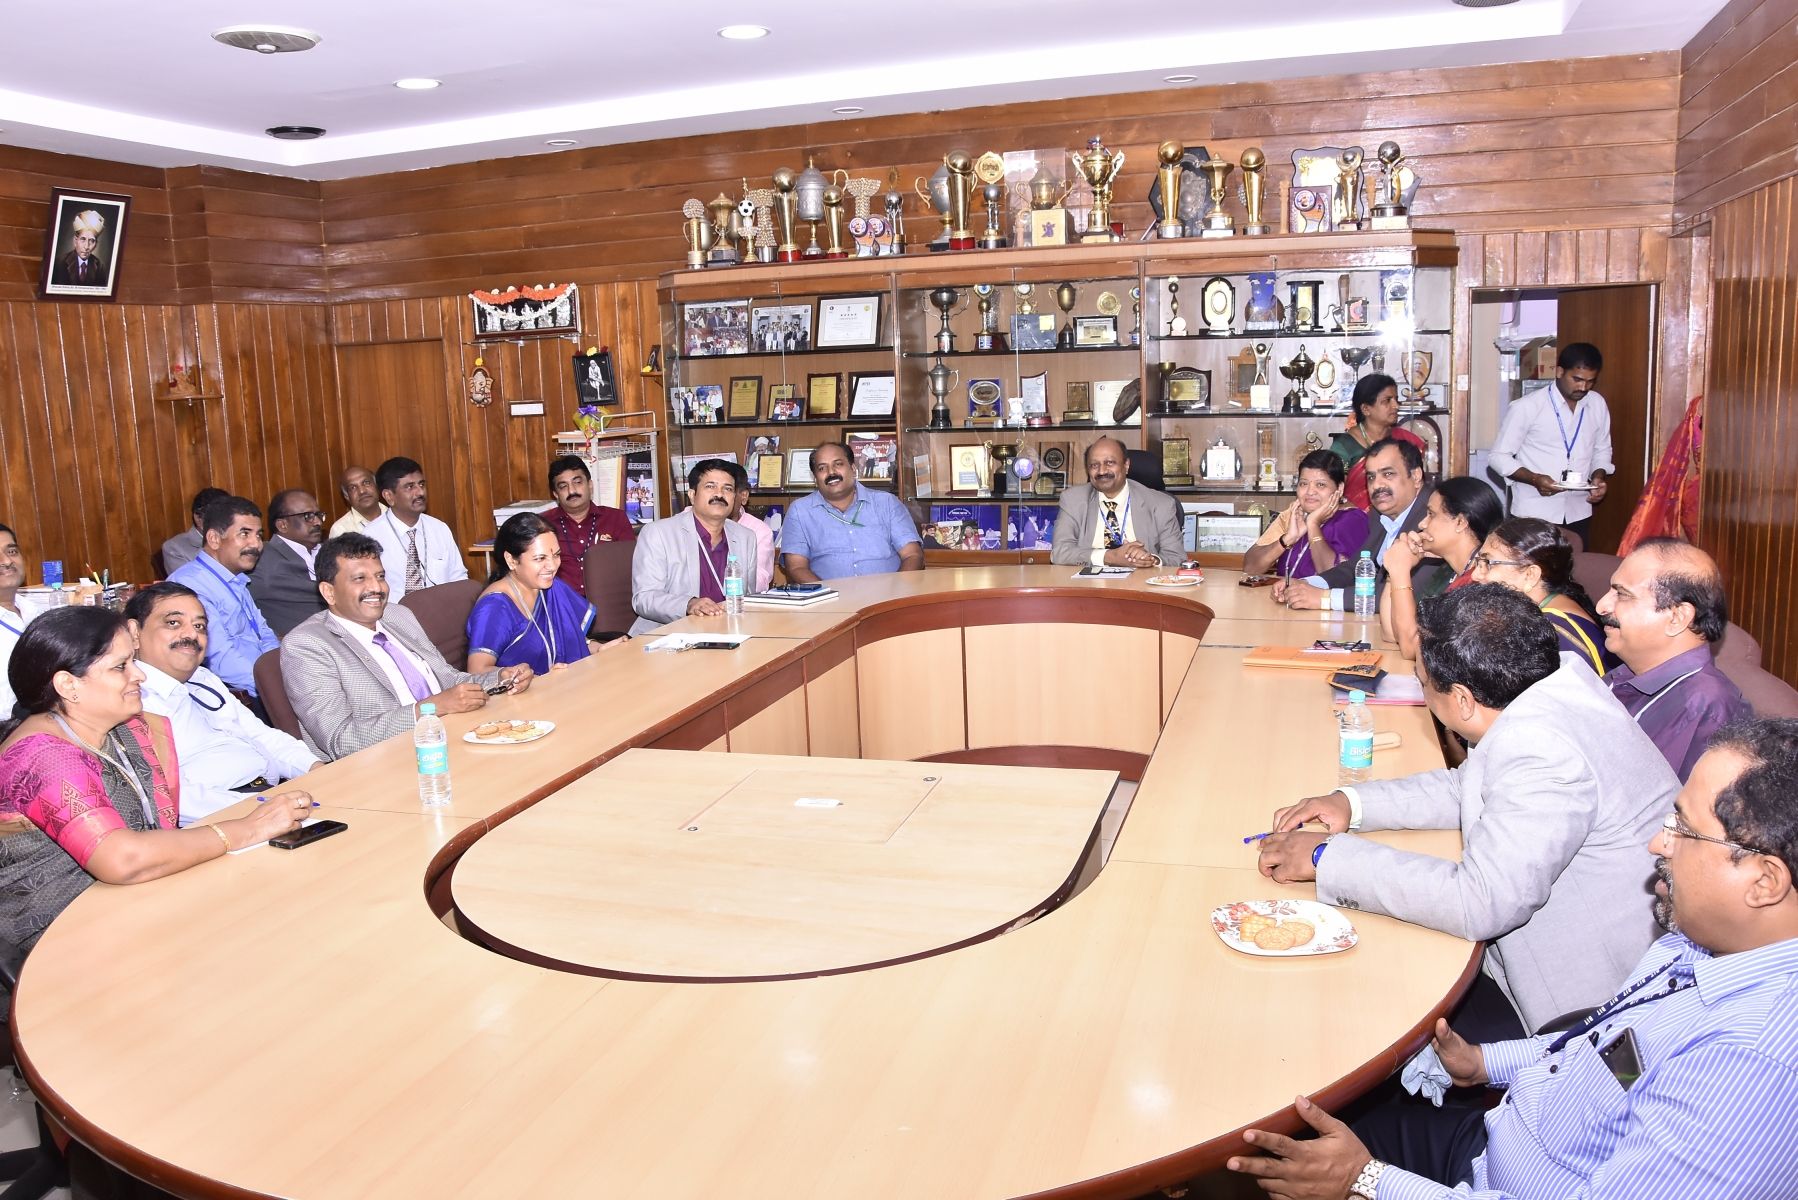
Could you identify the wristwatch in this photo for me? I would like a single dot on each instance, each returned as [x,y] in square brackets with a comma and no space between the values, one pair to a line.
[1367,1184]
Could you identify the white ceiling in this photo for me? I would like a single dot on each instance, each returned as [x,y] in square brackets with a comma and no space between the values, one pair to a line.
[143,82]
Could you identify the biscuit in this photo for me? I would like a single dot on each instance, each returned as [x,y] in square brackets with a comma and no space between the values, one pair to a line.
[489,729]
[1253,924]
[1278,938]
[1302,931]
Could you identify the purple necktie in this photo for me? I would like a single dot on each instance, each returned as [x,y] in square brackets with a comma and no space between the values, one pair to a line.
[420,689]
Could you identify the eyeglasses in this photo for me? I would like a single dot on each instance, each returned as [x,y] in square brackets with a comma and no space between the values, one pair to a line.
[1675,825]
[313,515]
[1487,562]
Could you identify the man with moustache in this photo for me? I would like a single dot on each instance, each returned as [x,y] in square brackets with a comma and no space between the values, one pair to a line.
[237,634]
[223,751]
[282,582]
[1113,521]
[577,521]
[846,528]
[1682,1084]
[357,672]
[418,550]
[1400,496]
[678,567]
[357,486]
[1663,615]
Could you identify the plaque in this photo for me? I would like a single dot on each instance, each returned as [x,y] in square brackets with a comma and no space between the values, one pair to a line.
[768,472]
[1221,463]
[1057,456]
[1189,390]
[1218,306]
[821,394]
[1095,331]
[1243,368]
[1267,476]
[983,401]
[783,402]
[799,468]
[1033,331]
[1176,462]
[871,394]
[1303,308]
[968,470]
[1079,407]
[745,398]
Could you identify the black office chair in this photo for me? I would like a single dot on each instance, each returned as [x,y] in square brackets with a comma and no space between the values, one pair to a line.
[1145,468]
[35,1170]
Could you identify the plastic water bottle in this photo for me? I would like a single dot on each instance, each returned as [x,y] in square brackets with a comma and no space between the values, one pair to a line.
[1365,574]
[431,743]
[733,587]
[1356,760]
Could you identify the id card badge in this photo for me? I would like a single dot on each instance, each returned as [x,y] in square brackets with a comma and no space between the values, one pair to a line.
[1623,1057]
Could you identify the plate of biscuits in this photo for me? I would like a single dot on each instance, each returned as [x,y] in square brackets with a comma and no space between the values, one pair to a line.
[508,733]
[1283,928]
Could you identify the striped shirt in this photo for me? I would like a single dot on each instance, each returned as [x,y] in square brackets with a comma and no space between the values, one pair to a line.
[1714,1113]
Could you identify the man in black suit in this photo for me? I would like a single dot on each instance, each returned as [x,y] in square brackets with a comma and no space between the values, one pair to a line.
[1399,493]
[81,267]
[282,584]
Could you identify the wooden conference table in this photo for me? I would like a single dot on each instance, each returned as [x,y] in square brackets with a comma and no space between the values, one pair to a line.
[692,985]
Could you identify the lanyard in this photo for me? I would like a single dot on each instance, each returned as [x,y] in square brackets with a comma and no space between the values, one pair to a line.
[129,773]
[848,518]
[16,630]
[1123,520]
[1617,1005]
[1656,698]
[584,541]
[245,608]
[210,691]
[1567,442]
[705,554]
[418,528]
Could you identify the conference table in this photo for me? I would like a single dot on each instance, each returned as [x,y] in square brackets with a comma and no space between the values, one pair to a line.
[821,915]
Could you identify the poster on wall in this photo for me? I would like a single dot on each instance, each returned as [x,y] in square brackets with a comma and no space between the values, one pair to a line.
[83,245]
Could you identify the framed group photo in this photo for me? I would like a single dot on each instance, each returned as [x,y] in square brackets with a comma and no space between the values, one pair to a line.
[780,328]
[711,328]
[83,245]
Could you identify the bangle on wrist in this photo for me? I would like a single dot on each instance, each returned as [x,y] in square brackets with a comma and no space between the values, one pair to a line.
[1398,587]
[226,841]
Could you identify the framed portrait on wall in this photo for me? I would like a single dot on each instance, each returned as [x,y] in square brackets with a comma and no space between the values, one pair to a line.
[83,245]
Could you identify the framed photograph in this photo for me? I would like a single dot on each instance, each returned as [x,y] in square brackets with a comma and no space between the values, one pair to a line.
[1033,331]
[711,328]
[780,328]
[1030,527]
[526,312]
[964,527]
[799,468]
[970,470]
[876,456]
[821,394]
[848,322]
[783,402]
[872,394]
[745,398]
[593,379]
[765,473]
[760,444]
[707,405]
[83,245]
[1220,534]
[1095,331]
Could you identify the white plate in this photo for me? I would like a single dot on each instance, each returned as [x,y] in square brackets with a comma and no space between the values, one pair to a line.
[1574,487]
[1332,932]
[538,729]
[1173,581]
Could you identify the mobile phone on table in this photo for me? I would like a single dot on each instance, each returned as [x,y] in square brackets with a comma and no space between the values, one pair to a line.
[711,645]
[797,589]
[504,685]
[1256,580]
[305,835]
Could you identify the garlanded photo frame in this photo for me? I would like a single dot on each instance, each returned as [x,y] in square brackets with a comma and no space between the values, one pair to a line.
[552,310]
[84,245]
[594,383]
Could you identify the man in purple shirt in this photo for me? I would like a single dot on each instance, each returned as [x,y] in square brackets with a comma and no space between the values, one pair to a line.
[577,521]
[1664,613]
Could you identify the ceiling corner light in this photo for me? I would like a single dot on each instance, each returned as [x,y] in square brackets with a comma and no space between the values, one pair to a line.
[561,143]
[743,33]
[848,110]
[1189,78]
[295,133]
[266,39]
[417,85]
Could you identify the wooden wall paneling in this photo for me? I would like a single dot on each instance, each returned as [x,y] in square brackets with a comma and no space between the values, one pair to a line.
[1622,322]
[1738,121]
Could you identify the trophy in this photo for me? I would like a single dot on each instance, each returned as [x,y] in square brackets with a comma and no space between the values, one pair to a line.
[1260,391]
[983,401]
[1398,183]
[833,223]
[944,299]
[1176,462]
[786,248]
[698,232]
[1001,454]
[1176,324]
[989,337]
[1170,155]
[1303,294]
[1099,167]
[1026,305]
[1262,313]
[1136,316]
[722,216]
[1218,223]
[1354,358]
[1267,474]
[1325,378]
[809,205]
[1254,191]
[936,194]
[941,380]
[1299,370]
[989,169]
[1221,463]
[1065,295]
[894,201]
[1217,307]
[1349,312]
[961,199]
[1346,206]
[1417,374]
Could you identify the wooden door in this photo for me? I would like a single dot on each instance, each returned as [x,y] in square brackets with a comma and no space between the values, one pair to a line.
[1620,322]
[392,404]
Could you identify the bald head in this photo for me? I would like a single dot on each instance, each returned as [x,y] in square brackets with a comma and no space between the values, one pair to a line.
[1107,466]
[358,487]
[1684,574]
[1665,598]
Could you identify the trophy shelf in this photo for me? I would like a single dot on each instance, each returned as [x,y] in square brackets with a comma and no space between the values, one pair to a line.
[706,358]
[1269,336]
[1058,427]
[1022,353]
[838,422]
[1316,414]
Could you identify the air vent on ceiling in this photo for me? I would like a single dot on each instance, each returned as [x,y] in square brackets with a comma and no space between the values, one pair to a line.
[267,39]
[295,133]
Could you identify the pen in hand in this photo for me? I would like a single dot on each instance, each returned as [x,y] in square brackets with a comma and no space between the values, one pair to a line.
[1255,837]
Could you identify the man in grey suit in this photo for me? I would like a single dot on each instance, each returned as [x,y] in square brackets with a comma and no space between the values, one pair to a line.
[282,585]
[1399,493]
[1556,804]
[678,567]
[1112,521]
[357,672]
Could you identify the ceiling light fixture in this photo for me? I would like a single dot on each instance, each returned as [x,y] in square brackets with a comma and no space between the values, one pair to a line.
[1179,78]
[267,39]
[417,85]
[1484,3]
[295,133]
[846,110]
[743,33]
[561,143]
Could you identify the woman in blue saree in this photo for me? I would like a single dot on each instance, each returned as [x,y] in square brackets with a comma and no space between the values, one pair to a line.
[527,615]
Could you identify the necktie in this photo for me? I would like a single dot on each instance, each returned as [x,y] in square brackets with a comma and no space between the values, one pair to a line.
[420,689]
[415,570]
[1114,533]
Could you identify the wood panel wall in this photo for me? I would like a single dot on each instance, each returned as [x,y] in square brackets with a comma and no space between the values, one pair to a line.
[147,274]
[1738,105]
[97,471]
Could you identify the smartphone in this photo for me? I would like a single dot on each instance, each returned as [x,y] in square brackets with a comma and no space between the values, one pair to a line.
[305,835]
[711,645]
[797,589]
[1623,1057]
[503,686]
[1256,581]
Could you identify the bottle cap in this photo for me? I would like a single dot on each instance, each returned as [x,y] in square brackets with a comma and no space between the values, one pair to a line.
[1357,697]
[427,710]
[1367,554]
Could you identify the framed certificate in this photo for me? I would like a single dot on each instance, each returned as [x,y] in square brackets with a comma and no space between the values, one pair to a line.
[1035,389]
[821,396]
[969,470]
[872,394]
[799,468]
[767,471]
[745,398]
[1095,331]
[848,322]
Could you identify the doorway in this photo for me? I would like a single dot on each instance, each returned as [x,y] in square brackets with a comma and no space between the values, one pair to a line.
[391,402]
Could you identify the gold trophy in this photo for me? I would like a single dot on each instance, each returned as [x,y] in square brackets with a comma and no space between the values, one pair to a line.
[961,199]
[989,169]
[1001,455]
[1299,370]
[786,219]
[698,232]
[1099,167]
[989,337]
[834,242]
[1218,223]
[894,203]
[1168,155]
[1065,295]
[723,214]
[1397,181]
[1254,191]
[1346,205]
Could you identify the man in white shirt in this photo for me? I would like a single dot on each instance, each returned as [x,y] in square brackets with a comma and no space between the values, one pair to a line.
[417,549]
[357,486]
[1554,435]
[225,753]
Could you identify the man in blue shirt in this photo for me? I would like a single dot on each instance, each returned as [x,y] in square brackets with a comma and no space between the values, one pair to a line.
[220,576]
[845,528]
[1684,1084]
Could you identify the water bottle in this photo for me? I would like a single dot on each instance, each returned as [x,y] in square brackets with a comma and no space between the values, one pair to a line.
[431,743]
[1365,574]
[733,587]
[1356,760]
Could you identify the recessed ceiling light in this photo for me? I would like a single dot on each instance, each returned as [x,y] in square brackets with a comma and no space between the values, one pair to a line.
[846,110]
[743,33]
[295,133]
[560,143]
[1179,78]
[417,85]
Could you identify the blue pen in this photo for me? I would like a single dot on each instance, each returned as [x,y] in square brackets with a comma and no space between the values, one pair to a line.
[1258,836]
[264,800]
